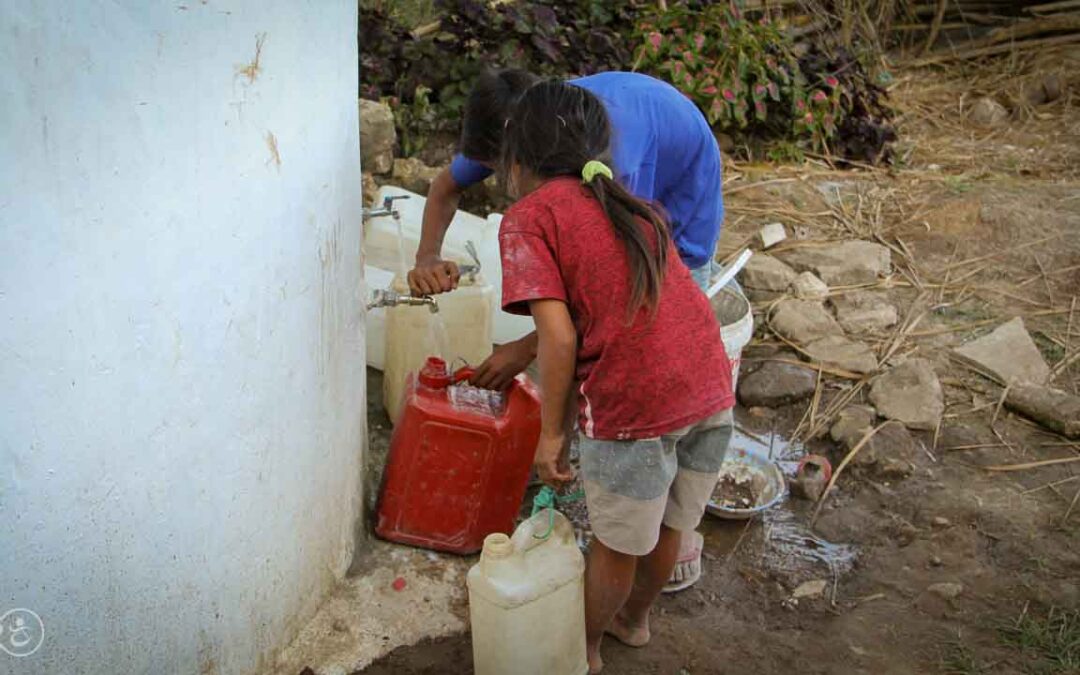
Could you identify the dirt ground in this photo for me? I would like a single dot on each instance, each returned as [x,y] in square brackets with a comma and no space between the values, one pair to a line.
[954,569]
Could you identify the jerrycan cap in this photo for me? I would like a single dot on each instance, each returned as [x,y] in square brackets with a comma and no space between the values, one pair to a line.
[434,374]
[497,546]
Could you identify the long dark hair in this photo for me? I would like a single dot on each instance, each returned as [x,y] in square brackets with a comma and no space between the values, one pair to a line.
[487,108]
[553,130]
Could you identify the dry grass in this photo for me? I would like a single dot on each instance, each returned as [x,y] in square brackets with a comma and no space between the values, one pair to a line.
[1042,142]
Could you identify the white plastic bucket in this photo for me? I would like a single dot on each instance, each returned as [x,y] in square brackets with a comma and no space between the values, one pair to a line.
[732,310]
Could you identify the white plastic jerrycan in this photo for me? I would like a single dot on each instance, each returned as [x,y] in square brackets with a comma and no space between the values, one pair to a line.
[527,601]
[459,332]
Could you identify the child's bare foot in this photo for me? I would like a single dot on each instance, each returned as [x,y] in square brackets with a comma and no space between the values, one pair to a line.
[596,664]
[628,633]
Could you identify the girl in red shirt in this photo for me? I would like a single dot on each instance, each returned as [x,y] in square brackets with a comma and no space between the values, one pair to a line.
[627,338]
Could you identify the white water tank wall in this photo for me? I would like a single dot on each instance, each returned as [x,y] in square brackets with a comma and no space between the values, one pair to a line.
[181,327]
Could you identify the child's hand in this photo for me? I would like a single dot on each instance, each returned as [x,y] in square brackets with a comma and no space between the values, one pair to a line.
[550,462]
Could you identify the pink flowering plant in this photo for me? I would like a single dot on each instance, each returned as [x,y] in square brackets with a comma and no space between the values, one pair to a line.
[741,72]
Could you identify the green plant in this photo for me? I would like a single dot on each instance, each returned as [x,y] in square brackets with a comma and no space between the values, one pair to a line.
[733,68]
[746,78]
[1051,642]
[958,659]
[416,120]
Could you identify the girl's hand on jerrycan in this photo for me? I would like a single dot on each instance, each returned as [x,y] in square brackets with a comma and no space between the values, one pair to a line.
[551,461]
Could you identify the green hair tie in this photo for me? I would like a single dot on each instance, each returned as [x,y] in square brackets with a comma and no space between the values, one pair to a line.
[594,168]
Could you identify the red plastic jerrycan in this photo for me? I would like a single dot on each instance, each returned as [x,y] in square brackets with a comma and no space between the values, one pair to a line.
[459,461]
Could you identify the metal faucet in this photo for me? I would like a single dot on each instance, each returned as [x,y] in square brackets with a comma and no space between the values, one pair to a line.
[387,208]
[390,298]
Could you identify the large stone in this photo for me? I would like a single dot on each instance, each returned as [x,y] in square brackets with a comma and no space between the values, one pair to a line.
[808,287]
[947,590]
[766,273]
[803,321]
[843,264]
[909,393]
[413,175]
[836,351]
[864,312]
[1055,409]
[775,384]
[894,452]
[1007,353]
[377,137]
[852,424]
[890,453]
[986,112]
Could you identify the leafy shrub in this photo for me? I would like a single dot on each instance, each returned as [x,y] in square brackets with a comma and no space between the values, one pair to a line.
[743,74]
[746,78]
[428,79]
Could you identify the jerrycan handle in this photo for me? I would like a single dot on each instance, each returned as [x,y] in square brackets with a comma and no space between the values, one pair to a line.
[530,533]
[463,373]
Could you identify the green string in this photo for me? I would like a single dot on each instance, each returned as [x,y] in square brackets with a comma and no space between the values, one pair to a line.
[547,498]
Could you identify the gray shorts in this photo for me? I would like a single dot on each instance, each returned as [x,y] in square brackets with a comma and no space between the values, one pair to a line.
[632,487]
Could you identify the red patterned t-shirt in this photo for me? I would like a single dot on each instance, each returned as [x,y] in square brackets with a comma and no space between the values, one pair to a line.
[639,378]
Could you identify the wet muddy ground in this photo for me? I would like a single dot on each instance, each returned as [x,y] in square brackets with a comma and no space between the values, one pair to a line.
[919,575]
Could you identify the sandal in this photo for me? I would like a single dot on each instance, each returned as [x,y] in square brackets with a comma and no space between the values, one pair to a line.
[688,565]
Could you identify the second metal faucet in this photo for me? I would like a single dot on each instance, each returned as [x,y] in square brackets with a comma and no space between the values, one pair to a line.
[390,298]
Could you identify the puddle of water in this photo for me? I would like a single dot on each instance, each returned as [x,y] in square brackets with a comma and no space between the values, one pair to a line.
[780,539]
[772,445]
[790,546]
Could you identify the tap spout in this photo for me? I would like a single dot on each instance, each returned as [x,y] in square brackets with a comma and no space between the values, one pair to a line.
[391,298]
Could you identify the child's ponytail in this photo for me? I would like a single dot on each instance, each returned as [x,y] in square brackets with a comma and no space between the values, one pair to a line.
[647,256]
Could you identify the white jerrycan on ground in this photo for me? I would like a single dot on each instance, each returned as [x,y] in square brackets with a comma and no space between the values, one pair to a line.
[527,601]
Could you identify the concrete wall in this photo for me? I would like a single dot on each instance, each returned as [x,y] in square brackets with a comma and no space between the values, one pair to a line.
[181,329]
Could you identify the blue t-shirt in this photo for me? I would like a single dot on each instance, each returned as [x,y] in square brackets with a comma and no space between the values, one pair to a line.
[663,150]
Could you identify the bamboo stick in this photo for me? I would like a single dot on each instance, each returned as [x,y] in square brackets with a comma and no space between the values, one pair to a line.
[935,27]
[997,49]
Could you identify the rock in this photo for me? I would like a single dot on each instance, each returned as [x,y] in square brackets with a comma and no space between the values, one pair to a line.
[1047,90]
[808,287]
[936,561]
[987,112]
[842,264]
[759,295]
[890,453]
[766,273]
[836,351]
[413,175]
[852,424]
[1007,353]
[894,452]
[947,590]
[940,522]
[377,136]
[810,589]
[803,321]
[1055,409]
[775,384]
[909,393]
[772,234]
[904,532]
[369,189]
[864,311]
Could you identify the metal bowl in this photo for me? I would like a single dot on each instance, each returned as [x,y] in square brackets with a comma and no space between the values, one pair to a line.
[767,482]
